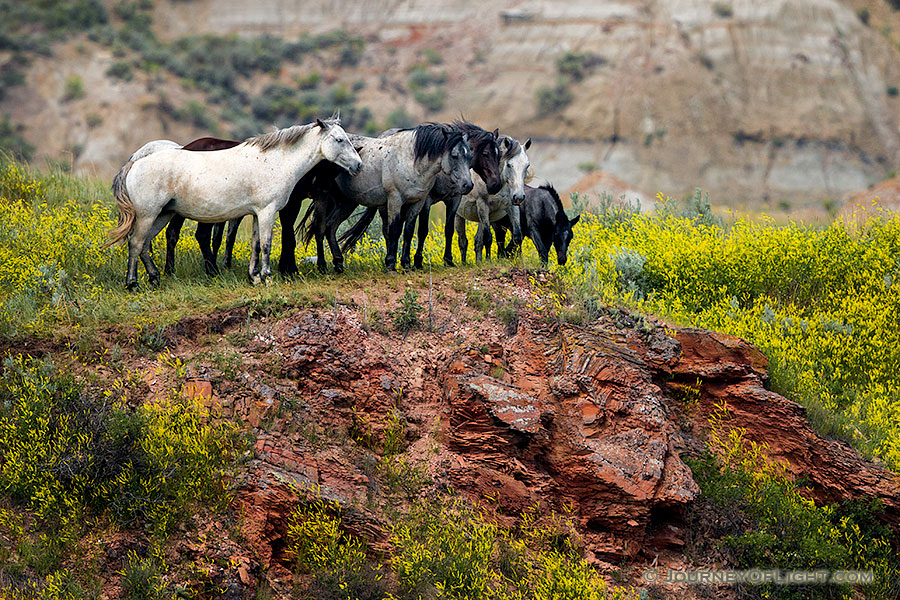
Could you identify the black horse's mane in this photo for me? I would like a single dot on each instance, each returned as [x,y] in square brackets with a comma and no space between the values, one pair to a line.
[434,139]
[553,194]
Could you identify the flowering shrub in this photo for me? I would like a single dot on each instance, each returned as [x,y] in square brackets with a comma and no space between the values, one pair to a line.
[820,302]
[787,530]
[448,550]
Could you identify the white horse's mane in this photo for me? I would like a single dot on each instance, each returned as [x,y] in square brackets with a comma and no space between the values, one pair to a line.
[283,137]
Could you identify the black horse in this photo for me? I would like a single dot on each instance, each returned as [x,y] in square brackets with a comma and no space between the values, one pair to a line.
[543,219]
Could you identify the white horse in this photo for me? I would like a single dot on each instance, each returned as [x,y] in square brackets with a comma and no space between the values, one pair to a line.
[255,178]
[400,170]
[484,208]
[151,147]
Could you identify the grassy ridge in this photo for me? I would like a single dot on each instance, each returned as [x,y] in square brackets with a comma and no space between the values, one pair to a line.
[820,302]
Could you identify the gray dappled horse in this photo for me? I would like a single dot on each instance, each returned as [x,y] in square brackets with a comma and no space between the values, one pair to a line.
[485,163]
[399,172]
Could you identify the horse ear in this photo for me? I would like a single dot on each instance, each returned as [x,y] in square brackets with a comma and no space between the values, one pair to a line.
[496,133]
[320,123]
[527,144]
[573,221]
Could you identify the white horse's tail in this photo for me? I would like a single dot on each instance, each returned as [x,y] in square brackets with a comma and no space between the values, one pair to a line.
[126,208]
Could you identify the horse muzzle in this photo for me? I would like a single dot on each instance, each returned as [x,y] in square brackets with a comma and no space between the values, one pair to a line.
[517,199]
[495,187]
[355,168]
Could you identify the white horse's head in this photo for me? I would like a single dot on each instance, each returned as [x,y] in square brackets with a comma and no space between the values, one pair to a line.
[456,164]
[514,167]
[336,147]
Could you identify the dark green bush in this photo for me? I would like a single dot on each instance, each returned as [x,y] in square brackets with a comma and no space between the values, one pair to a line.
[120,70]
[552,99]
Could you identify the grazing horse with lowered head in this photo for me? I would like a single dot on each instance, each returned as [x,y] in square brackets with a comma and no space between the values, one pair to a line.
[483,207]
[542,219]
[485,163]
[255,177]
[399,173]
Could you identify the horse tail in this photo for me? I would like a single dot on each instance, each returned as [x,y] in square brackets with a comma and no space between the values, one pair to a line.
[355,233]
[304,229]
[125,206]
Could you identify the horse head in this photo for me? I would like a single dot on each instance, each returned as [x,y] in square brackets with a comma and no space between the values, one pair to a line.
[336,147]
[485,154]
[562,234]
[457,160]
[515,167]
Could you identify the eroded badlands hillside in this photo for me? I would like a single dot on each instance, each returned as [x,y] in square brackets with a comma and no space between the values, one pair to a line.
[772,103]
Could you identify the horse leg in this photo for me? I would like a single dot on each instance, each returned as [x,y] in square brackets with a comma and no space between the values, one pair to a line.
[253,271]
[449,222]
[423,235]
[500,236]
[204,237]
[229,241]
[413,213]
[338,215]
[484,229]
[136,243]
[287,262]
[266,226]
[460,224]
[515,244]
[217,230]
[535,234]
[156,226]
[483,241]
[394,229]
[173,232]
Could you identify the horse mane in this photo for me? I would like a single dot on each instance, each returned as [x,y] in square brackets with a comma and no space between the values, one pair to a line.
[283,137]
[560,209]
[513,149]
[478,138]
[434,139]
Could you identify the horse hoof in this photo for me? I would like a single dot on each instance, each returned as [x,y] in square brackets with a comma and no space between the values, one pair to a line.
[338,268]
[323,269]
[449,263]
[291,271]
[153,281]
[133,286]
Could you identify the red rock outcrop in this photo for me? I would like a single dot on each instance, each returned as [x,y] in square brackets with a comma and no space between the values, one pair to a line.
[564,416]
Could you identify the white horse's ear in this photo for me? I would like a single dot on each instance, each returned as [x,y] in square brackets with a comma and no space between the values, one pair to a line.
[527,143]
[496,133]
[320,123]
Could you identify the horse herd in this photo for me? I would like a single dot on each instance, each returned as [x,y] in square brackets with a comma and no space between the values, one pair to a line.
[399,175]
